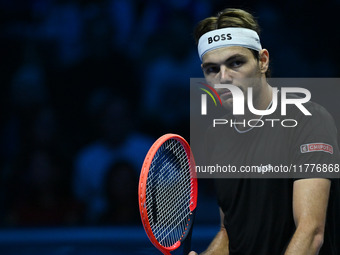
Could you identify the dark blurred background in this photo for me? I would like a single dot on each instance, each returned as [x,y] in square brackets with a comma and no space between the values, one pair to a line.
[88,85]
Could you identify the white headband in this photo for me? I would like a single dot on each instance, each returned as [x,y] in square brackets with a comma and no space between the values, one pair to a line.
[230,36]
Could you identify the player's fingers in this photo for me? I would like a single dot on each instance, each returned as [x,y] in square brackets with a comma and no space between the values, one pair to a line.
[192,253]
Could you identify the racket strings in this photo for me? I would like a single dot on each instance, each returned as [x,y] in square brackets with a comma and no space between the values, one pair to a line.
[171,195]
[168,193]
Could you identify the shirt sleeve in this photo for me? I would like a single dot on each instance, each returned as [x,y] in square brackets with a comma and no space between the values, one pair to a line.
[315,151]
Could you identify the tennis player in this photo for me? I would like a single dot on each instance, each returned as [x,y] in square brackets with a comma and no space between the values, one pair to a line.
[266,216]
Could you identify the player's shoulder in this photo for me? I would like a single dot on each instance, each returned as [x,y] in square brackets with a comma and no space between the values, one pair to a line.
[317,113]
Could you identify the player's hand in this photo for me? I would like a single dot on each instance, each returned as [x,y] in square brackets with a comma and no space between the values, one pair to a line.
[193,253]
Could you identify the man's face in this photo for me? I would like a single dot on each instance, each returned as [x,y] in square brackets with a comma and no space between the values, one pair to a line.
[234,65]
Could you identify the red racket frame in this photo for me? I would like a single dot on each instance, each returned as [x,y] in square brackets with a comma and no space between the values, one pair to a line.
[142,188]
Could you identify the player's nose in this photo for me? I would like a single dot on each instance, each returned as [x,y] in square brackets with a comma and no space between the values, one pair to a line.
[225,75]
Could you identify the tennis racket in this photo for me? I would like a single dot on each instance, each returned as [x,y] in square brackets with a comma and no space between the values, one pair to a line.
[167,194]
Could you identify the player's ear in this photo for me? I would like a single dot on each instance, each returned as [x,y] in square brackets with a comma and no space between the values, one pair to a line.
[264,60]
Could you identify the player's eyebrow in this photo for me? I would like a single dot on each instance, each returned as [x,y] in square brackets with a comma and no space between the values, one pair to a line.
[231,58]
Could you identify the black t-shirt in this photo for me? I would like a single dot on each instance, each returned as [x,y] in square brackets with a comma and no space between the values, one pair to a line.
[258,212]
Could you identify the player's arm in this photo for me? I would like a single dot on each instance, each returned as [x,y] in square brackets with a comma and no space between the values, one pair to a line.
[310,200]
[220,243]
